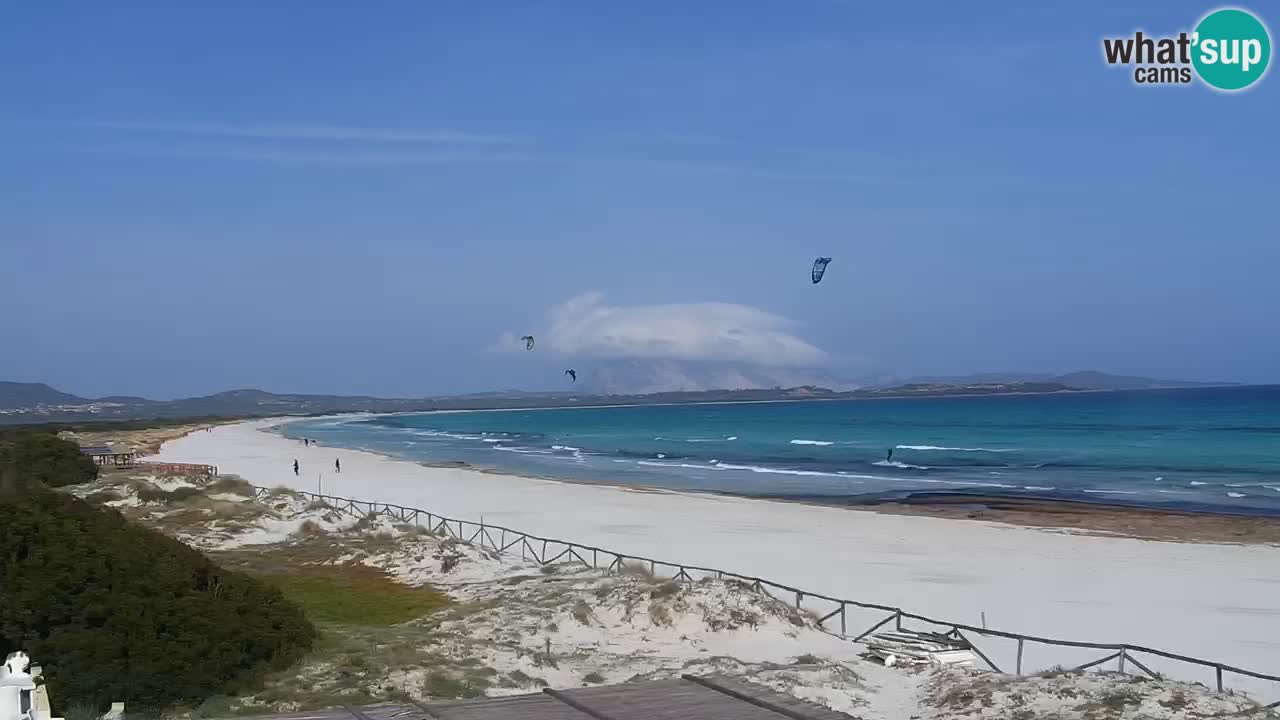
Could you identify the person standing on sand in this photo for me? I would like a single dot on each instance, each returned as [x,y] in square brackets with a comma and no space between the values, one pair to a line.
[337,465]
[295,466]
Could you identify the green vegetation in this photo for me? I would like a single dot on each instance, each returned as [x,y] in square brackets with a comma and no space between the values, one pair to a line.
[231,485]
[356,595]
[117,612]
[153,494]
[30,456]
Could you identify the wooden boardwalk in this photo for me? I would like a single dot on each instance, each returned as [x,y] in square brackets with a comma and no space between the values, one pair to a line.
[686,698]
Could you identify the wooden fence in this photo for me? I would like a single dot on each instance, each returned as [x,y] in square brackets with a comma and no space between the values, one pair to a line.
[833,615]
[178,468]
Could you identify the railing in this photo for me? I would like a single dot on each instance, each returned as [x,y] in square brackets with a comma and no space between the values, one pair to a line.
[548,550]
[179,468]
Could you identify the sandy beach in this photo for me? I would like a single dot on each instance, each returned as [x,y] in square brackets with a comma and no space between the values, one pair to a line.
[1208,600]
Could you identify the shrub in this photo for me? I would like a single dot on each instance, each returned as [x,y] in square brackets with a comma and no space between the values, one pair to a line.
[39,456]
[231,485]
[116,612]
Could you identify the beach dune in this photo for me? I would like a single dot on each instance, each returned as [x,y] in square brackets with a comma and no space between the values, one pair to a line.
[1213,601]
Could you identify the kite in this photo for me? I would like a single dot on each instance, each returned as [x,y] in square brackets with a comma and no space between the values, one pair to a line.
[528,340]
[819,267]
[573,374]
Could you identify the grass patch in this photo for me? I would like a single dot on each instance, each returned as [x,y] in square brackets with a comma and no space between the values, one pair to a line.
[153,494]
[444,685]
[807,659]
[81,711]
[1177,701]
[1118,700]
[218,706]
[231,485]
[102,497]
[519,679]
[665,590]
[356,595]
[310,528]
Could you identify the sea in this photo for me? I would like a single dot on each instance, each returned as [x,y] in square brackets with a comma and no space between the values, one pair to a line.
[1211,449]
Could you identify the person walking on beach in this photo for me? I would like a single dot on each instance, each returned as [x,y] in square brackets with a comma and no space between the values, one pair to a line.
[295,466]
[888,457]
[306,442]
[337,465]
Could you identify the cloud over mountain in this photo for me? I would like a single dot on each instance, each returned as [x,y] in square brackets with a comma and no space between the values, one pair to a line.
[586,326]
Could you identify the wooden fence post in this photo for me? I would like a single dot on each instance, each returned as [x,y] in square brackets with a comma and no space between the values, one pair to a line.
[1019,668]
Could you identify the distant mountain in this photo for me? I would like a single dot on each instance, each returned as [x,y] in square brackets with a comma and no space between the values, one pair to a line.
[612,384]
[1082,380]
[643,377]
[17,395]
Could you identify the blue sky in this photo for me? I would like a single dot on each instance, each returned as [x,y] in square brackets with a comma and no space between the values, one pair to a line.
[343,197]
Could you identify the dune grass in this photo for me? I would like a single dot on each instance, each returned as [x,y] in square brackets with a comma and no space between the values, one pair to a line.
[356,595]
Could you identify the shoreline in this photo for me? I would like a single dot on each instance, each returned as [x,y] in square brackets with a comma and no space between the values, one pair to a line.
[1132,520]
[1055,581]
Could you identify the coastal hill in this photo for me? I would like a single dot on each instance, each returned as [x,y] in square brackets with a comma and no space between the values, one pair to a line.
[1081,380]
[38,402]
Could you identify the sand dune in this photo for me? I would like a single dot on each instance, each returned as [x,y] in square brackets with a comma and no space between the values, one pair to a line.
[1215,601]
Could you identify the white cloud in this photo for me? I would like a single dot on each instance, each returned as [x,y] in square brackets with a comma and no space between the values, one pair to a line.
[706,332]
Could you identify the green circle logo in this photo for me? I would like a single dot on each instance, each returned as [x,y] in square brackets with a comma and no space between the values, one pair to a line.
[1232,49]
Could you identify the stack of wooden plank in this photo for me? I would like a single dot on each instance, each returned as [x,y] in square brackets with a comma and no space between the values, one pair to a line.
[907,646]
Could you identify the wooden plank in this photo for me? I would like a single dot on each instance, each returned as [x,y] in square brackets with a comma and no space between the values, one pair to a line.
[760,696]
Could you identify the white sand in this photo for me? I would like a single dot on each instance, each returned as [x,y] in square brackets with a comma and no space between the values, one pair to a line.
[1214,601]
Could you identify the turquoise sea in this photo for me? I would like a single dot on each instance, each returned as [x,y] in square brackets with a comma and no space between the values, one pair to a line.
[1197,449]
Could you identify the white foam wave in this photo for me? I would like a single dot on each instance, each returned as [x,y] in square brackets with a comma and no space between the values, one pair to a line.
[565,447]
[812,442]
[1197,482]
[961,483]
[1112,492]
[951,449]
[896,464]
[1235,495]
[1038,487]
[1159,478]
[521,451]
[690,466]
[775,471]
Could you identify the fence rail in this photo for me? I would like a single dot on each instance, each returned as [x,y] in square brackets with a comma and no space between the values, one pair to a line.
[178,468]
[549,550]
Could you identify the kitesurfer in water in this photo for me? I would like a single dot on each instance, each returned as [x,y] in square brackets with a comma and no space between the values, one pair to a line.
[888,456]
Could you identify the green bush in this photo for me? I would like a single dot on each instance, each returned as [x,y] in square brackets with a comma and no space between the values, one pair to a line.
[117,612]
[40,456]
[153,494]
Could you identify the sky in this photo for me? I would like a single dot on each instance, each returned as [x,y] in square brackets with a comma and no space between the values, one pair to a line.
[383,197]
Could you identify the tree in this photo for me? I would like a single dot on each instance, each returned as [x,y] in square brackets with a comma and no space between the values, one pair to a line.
[118,612]
[39,455]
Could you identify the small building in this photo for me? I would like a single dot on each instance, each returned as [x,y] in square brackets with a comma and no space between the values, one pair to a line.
[106,456]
